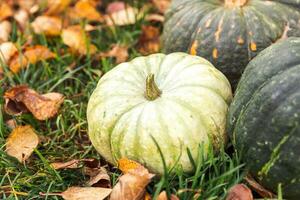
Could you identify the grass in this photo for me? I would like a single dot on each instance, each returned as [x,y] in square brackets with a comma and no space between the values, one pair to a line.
[65,136]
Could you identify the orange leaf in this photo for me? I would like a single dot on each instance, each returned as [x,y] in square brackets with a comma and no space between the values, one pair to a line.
[57,6]
[5,11]
[21,142]
[125,165]
[149,41]
[22,17]
[21,99]
[77,39]
[31,55]
[239,191]
[85,9]
[48,25]
[132,184]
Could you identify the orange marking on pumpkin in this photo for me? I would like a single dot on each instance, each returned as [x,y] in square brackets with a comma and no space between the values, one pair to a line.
[193,50]
[219,30]
[207,23]
[215,53]
[253,46]
[240,40]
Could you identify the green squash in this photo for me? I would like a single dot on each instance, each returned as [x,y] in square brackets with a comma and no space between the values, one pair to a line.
[229,33]
[178,100]
[264,117]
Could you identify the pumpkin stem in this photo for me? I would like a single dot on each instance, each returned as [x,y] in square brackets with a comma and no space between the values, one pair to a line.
[234,3]
[152,91]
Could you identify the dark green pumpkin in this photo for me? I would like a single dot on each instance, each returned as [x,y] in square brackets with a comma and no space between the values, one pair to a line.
[264,118]
[229,33]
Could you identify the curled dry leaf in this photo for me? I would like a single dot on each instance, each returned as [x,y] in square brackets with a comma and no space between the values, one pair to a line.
[21,142]
[239,192]
[149,41]
[48,25]
[83,193]
[5,11]
[22,99]
[22,17]
[77,39]
[55,7]
[258,188]
[87,9]
[120,14]
[132,184]
[163,196]
[119,52]
[31,55]
[98,177]
[161,5]
[5,29]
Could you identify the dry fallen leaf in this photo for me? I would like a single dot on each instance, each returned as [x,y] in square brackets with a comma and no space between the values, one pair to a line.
[72,164]
[5,29]
[22,17]
[258,188]
[149,41]
[7,50]
[132,184]
[5,11]
[117,51]
[163,196]
[155,18]
[48,25]
[239,192]
[161,5]
[21,142]
[83,193]
[31,55]
[55,7]
[86,9]
[76,38]
[28,5]
[120,14]
[98,177]
[22,99]
[11,123]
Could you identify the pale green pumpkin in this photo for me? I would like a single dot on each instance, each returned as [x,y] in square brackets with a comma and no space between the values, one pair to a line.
[178,100]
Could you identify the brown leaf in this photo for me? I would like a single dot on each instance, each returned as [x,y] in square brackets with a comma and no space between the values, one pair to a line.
[22,17]
[55,7]
[83,193]
[149,40]
[258,188]
[163,196]
[117,51]
[76,38]
[161,5]
[31,55]
[239,192]
[7,50]
[11,123]
[120,14]
[98,177]
[72,164]
[21,99]
[21,142]
[132,184]
[5,11]
[48,25]
[86,9]
[5,29]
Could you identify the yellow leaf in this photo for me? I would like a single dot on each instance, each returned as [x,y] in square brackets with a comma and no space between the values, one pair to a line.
[57,6]
[77,39]
[126,165]
[21,142]
[5,11]
[85,9]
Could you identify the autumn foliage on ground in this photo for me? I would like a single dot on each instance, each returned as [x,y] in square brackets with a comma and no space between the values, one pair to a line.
[53,52]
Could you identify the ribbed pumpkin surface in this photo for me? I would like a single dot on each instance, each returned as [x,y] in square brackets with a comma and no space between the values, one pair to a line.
[264,118]
[229,33]
[190,109]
